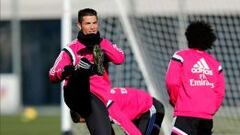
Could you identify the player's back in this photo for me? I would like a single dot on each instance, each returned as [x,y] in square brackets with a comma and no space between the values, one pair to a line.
[133,102]
[199,79]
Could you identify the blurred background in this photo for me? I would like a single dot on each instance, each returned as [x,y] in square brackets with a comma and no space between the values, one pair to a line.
[149,32]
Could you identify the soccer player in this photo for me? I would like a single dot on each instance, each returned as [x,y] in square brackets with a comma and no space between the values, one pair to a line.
[131,104]
[83,64]
[86,81]
[195,82]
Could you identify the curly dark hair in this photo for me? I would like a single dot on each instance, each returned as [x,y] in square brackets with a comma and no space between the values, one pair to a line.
[200,35]
[86,12]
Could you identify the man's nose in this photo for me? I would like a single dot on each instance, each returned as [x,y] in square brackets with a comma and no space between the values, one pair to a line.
[92,26]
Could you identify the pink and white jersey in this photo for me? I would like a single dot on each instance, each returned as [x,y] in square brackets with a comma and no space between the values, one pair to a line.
[99,85]
[195,84]
[128,105]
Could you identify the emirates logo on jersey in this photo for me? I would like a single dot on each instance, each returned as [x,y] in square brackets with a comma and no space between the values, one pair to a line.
[201,67]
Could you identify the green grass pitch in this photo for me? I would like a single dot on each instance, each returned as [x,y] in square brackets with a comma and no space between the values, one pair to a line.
[50,125]
[43,125]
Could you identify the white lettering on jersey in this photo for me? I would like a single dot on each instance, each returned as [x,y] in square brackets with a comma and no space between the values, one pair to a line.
[201,67]
[201,83]
[123,91]
[112,91]
[119,89]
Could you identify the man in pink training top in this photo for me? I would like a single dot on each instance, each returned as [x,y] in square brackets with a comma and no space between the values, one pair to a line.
[86,85]
[131,104]
[195,83]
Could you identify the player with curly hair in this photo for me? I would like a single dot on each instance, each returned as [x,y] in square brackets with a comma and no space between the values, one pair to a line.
[195,82]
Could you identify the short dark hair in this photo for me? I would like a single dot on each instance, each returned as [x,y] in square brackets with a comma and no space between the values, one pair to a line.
[200,35]
[86,12]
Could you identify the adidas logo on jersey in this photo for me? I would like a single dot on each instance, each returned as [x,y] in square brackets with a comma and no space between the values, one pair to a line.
[201,66]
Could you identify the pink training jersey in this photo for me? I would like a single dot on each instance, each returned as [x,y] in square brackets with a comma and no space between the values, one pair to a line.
[99,85]
[195,83]
[128,105]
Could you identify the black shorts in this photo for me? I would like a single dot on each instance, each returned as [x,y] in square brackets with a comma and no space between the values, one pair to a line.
[147,123]
[192,126]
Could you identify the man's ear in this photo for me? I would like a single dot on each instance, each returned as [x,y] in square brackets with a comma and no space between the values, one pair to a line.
[79,26]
